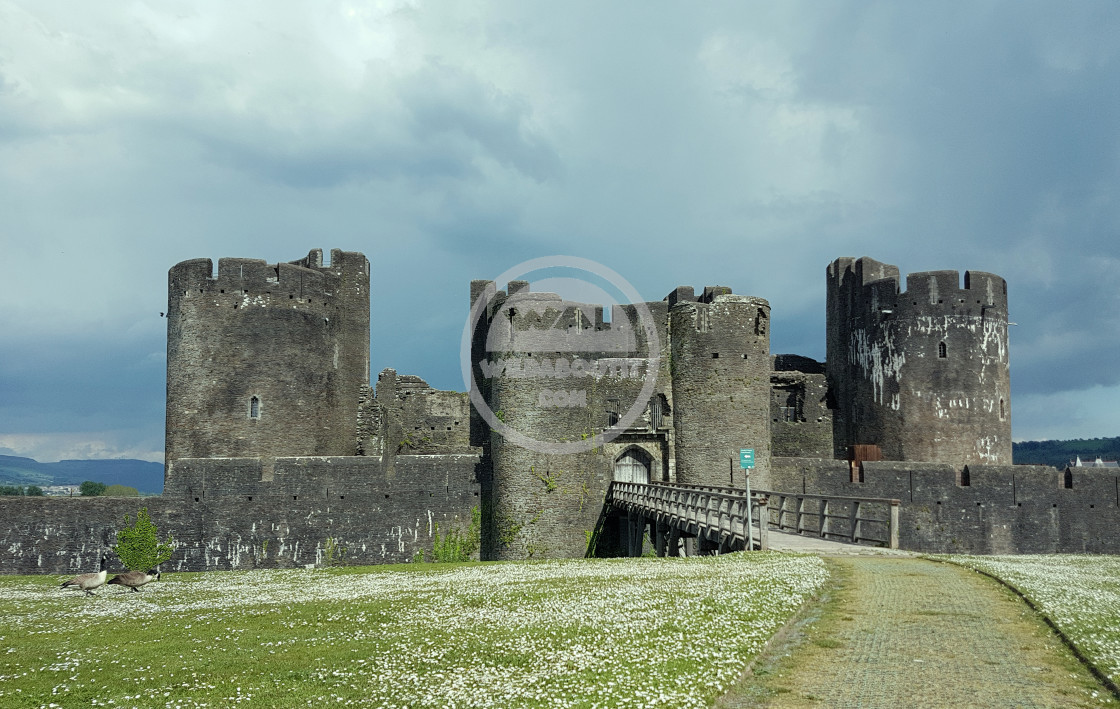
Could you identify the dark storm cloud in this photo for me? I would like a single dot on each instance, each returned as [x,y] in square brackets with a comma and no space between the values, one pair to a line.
[743,144]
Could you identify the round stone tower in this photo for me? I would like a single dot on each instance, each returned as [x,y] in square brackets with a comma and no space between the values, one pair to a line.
[720,369]
[923,373]
[266,360]
[558,385]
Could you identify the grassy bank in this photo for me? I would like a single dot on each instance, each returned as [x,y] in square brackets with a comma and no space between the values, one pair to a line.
[602,633]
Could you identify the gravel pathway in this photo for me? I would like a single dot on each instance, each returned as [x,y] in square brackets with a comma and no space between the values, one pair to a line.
[910,632]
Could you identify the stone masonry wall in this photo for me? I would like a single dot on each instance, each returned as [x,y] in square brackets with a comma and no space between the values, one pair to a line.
[923,373]
[223,516]
[417,419]
[266,359]
[800,408]
[977,509]
[558,375]
[721,386]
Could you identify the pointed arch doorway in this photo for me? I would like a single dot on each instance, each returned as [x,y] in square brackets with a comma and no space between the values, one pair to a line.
[633,466]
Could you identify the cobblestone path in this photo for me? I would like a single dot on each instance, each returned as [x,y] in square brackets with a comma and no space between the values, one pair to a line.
[907,632]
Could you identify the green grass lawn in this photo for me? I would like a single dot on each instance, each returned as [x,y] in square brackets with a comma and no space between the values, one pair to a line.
[1079,592]
[581,633]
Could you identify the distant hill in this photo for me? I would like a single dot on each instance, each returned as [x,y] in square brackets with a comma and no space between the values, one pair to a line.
[145,476]
[1060,453]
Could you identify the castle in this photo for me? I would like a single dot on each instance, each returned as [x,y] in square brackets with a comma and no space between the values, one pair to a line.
[279,445]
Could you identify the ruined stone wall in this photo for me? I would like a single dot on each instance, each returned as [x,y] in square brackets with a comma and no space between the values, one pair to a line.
[721,386]
[800,408]
[977,509]
[417,419]
[266,359]
[223,516]
[923,373]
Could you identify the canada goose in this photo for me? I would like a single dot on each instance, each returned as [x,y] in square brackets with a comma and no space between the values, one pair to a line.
[135,579]
[88,582]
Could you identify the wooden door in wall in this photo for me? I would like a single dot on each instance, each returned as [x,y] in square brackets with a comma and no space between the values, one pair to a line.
[632,466]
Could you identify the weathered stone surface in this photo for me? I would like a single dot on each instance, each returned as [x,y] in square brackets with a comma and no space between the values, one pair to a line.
[923,373]
[976,509]
[266,360]
[223,516]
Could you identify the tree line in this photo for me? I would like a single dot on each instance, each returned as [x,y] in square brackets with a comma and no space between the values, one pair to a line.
[1060,453]
[89,488]
[29,491]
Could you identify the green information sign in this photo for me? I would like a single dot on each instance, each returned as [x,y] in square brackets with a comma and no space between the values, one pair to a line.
[746,458]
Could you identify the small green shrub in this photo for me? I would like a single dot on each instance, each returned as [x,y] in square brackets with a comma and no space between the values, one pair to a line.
[333,553]
[548,479]
[138,545]
[120,491]
[456,545]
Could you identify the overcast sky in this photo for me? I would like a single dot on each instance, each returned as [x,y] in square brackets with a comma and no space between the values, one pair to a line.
[742,144]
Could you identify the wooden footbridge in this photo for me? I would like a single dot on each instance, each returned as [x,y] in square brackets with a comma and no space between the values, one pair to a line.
[683,520]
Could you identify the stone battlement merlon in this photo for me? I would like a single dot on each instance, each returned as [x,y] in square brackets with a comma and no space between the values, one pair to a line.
[857,273]
[519,291]
[873,288]
[930,289]
[304,279]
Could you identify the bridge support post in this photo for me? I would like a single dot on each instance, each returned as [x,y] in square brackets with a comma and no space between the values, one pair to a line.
[637,531]
[894,524]
[661,538]
[674,542]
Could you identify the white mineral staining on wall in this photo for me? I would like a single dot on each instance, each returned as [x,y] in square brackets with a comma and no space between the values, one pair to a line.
[987,449]
[878,361]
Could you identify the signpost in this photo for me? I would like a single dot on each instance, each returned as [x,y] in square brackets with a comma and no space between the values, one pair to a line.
[746,458]
[746,462]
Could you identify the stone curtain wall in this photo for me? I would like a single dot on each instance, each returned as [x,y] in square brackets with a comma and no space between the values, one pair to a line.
[224,517]
[977,509]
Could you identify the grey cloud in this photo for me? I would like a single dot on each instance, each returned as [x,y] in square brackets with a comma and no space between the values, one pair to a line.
[447,125]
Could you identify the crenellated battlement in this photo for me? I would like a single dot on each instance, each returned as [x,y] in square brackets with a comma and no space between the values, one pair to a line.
[302,281]
[864,287]
[716,309]
[520,320]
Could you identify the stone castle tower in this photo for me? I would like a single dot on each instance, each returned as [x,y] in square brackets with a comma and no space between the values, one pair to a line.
[266,360]
[720,370]
[922,373]
[681,417]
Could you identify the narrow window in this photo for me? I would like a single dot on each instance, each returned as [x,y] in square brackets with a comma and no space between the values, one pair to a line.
[613,408]
[254,408]
[1067,481]
[1002,410]
[942,352]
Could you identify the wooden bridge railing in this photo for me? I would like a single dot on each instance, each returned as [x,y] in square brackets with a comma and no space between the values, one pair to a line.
[720,514]
[851,519]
